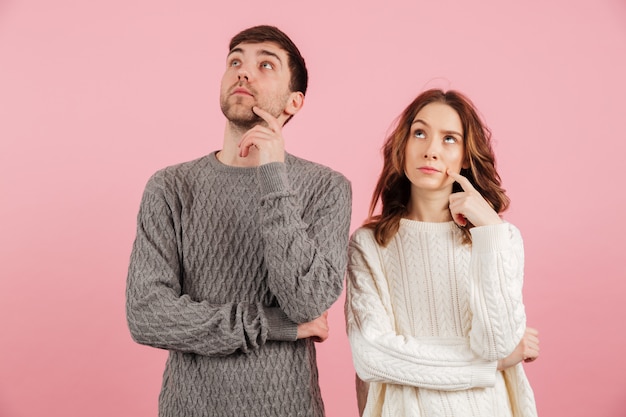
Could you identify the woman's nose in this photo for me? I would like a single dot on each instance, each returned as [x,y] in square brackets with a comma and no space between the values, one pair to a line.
[431,152]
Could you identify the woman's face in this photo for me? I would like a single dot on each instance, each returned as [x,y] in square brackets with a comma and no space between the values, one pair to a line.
[435,145]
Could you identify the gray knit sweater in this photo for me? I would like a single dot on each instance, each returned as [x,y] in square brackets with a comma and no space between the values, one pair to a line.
[226,262]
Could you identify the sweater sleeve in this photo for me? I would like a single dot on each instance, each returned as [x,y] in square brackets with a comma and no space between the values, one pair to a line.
[160,315]
[305,258]
[380,354]
[497,272]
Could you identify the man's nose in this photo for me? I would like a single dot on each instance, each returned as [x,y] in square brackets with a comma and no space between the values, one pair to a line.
[243,73]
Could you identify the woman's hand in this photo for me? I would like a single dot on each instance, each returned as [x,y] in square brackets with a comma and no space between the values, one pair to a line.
[527,350]
[469,205]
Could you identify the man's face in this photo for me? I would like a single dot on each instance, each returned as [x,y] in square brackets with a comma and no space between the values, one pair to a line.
[257,74]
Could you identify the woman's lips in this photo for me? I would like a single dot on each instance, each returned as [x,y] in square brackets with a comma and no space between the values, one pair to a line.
[428,170]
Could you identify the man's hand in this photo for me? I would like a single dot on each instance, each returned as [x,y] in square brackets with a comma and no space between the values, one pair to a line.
[267,140]
[527,350]
[470,205]
[317,329]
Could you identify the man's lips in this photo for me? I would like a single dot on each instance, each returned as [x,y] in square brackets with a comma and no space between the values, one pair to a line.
[241,91]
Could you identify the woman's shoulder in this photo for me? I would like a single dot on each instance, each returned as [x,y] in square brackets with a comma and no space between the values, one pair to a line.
[363,235]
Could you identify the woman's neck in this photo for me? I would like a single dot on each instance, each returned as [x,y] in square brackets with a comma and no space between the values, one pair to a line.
[429,207]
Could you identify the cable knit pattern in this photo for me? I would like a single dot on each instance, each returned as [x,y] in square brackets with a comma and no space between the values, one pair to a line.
[226,262]
[428,317]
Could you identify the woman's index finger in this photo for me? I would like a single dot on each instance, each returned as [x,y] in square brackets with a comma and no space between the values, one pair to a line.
[463,181]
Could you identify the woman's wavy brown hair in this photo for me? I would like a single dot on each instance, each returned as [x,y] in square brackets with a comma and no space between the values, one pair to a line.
[393,190]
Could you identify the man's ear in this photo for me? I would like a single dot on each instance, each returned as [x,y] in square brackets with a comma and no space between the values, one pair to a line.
[294,103]
[293,106]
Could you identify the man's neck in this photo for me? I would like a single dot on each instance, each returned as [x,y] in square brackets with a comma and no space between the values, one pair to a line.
[229,155]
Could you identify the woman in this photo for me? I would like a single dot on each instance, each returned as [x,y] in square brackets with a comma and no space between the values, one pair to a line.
[434,306]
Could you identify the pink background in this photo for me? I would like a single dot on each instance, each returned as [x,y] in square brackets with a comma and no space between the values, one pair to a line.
[97,95]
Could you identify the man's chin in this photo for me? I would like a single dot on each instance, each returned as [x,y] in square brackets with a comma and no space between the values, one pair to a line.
[245,122]
[242,117]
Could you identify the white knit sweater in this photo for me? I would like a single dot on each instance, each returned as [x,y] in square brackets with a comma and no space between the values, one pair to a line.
[428,317]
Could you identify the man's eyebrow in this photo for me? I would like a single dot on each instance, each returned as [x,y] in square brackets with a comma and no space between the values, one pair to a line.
[262,52]
[235,50]
[265,52]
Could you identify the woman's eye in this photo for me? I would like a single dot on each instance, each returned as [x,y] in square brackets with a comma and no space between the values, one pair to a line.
[449,139]
[419,134]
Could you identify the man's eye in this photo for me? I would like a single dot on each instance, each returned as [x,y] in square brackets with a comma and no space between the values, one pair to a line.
[235,63]
[267,65]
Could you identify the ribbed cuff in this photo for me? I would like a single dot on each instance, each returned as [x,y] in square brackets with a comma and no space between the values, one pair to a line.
[484,374]
[280,327]
[273,178]
[492,238]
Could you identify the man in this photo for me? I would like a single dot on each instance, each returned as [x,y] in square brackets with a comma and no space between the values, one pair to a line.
[239,254]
